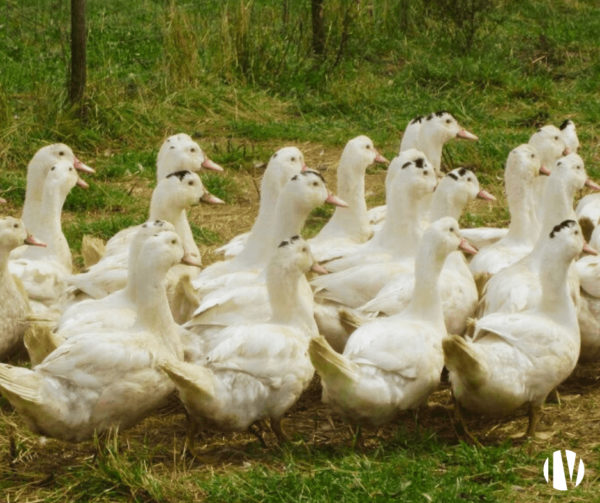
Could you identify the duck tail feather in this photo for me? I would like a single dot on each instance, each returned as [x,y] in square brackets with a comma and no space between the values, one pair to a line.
[463,359]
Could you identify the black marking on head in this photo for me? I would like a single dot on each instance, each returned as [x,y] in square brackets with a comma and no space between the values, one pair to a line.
[406,164]
[311,172]
[274,155]
[561,226]
[160,223]
[294,238]
[462,171]
[442,112]
[453,176]
[430,116]
[564,124]
[539,130]
[417,119]
[295,177]
[179,174]
[420,162]
[559,163]
[283,243]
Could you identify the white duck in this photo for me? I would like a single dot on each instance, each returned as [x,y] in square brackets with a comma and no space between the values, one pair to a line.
[409,179]
[457,287]
[550,146]
[427,134]
[258,370]
[285,163]
[172,197]
[44,271]
[523,166]
[588,270]
[117,309]
[348,226]
[180,152]
[392,364]
[518,358]
[359,285]
[37,169]
[517,287]
[99,380]
[14,304]
[301,194]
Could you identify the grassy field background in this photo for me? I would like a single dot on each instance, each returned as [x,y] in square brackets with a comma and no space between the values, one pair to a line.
[240,77]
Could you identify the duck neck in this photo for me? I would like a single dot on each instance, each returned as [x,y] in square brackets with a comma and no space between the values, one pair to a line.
[49,229]
[431,144]
[426,302]
[353,220]
[154,313]
[557,203]
[34,192]
[444,205]
[291,299]
[556,302]
[401,230]
[290,216]
[524,225]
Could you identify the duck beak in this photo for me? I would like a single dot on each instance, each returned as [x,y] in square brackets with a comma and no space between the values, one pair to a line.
[81,183]
[467,247]
[566,151]
[207,197]
[212,165]
[78,165]
[592,185]
[484,194]
[544,171]
[335,200]
[380,159]
[189,259]
[466,135]
[30,240]
[304,167]
[319,269]
[588,249]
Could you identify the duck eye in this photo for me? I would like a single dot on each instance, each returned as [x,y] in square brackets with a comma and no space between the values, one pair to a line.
[532,156]
[368,146]
[191,183]
[578,167]
[425,172]
[173,241]
[556,137]
[171,147]
[293,159]
[192,149]
[469,179]
[448,121]
[576,232]
[16,226]
[70,169]
[451,229]
[304,249]
[52,168]
[61,152]
[315,184]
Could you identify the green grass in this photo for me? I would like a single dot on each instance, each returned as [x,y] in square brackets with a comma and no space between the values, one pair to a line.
[243,83]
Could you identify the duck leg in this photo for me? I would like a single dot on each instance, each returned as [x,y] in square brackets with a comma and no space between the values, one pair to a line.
[257,431]
[460,426]
[193,430]
[278,430]
[535,412]
[356,436]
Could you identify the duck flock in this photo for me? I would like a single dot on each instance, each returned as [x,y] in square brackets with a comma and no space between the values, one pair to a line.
[377,303]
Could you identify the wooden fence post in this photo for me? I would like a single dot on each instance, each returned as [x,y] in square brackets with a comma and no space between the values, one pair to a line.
[78,59]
